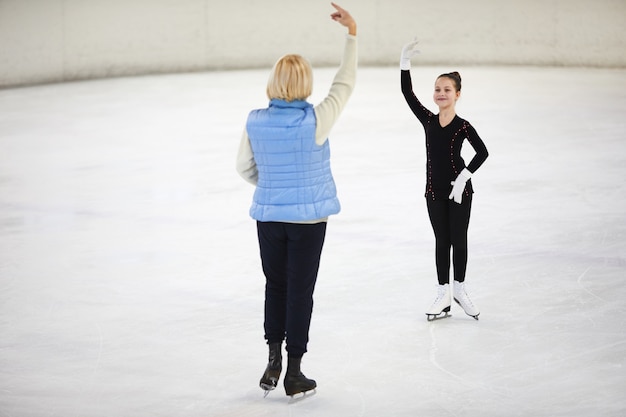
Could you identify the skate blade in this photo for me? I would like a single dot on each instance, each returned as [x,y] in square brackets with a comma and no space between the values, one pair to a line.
[444,313]
[267,388]
[474,317]
[295,398]
[440,316]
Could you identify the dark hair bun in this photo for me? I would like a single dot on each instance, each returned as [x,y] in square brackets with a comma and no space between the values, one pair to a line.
[454,76]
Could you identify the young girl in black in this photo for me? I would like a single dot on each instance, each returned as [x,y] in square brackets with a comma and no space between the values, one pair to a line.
[448,185]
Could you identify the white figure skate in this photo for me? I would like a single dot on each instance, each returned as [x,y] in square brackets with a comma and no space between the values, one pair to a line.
[462,299]
[441,306]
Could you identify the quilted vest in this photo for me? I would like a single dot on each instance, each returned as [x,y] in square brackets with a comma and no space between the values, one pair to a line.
[295,182]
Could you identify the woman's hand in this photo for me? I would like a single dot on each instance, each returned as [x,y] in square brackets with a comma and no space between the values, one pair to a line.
[344,18]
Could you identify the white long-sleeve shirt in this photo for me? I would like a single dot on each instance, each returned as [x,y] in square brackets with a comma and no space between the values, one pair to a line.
[326,113]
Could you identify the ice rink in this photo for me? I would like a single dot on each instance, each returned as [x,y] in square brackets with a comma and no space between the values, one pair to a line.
[131,285]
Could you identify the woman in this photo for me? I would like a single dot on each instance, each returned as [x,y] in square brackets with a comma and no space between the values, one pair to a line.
[448,185]
[285,153]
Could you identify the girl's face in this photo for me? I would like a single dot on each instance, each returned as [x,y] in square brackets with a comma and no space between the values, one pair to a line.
[445,94]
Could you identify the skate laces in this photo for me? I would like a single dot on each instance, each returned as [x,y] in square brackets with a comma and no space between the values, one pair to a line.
[461,294]
[441,294]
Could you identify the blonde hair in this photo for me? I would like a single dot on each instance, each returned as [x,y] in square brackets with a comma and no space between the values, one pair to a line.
[290,79]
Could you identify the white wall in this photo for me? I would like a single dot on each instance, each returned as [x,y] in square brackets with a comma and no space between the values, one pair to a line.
[60,40]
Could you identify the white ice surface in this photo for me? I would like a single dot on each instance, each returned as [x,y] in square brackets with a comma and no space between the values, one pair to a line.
[130,281]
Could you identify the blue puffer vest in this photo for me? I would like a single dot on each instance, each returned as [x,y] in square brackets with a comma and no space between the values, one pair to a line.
[295,181]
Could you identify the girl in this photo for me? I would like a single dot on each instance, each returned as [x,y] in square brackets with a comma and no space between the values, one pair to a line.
[285,153]
[448,185]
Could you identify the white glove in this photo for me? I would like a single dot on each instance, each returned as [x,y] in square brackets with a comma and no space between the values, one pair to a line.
[459,185]
[408,51]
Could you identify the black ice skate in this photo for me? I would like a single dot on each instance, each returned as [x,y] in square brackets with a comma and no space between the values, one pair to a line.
[295,382]
[270,377]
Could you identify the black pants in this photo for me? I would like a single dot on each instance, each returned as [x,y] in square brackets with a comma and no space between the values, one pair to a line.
[450,221]
[290,255]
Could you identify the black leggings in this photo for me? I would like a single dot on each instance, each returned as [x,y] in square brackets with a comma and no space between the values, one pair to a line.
[450,221]
[290,255]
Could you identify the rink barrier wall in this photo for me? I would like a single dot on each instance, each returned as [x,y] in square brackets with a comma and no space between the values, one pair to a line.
[45,41]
